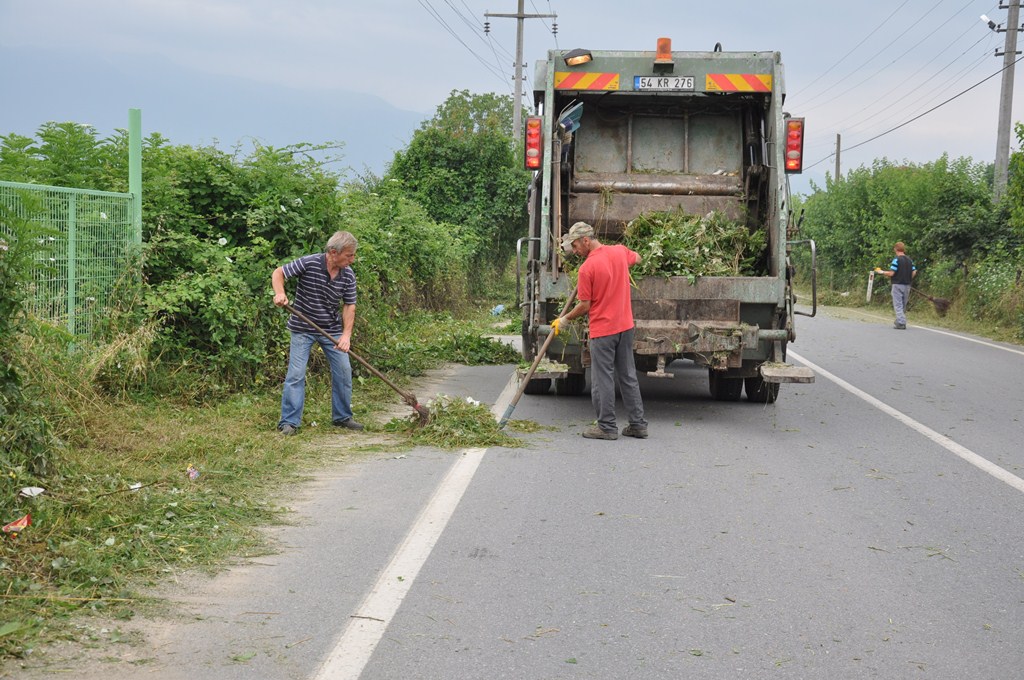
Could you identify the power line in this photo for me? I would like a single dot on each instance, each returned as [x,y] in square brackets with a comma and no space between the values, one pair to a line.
[925,82]
[475,27]
[908,122]
[437,17]
[553,28]
[852,50]
[905,53]
[873,57]
[919,105]
[483,36]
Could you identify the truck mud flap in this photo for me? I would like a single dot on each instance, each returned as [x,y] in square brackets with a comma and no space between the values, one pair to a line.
[773,372]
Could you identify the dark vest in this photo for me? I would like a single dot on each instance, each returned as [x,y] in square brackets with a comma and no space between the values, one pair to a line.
[904,270]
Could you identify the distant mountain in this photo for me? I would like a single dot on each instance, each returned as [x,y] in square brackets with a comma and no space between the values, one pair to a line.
[195,108]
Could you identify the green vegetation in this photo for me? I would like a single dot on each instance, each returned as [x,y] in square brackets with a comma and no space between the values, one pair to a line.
[455,424]
[966,248]
[186,368]
[25,438]
[677,244]
[460,167]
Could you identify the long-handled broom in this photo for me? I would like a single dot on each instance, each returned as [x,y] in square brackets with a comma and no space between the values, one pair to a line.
[941,304]
[533,367]
[422,412]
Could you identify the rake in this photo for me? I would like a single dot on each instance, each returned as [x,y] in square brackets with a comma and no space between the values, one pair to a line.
[533,367]
[422,412]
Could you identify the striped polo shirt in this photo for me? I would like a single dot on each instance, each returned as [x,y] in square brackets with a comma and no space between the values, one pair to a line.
[317,295]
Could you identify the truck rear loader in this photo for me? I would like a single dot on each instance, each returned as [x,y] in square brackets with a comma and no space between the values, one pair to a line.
[619,134]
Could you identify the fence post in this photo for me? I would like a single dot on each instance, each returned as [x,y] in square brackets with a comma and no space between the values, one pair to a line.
[72,255]
[135,171]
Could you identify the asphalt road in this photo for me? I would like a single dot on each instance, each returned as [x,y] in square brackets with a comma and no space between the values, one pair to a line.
[867,525]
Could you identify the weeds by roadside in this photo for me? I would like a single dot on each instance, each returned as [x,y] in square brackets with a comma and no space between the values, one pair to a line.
[120,509]
[123,509]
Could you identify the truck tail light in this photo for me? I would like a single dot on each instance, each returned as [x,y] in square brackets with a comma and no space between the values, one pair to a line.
[534,155]
[794,145]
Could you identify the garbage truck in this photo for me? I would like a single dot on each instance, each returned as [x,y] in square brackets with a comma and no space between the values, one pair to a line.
[620,134]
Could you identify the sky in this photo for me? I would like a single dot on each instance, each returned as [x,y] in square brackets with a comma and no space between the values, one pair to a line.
[367,73]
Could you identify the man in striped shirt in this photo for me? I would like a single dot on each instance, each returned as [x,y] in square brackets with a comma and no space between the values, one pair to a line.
[325,280]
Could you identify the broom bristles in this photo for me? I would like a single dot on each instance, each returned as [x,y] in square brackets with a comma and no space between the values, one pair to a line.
[941,304]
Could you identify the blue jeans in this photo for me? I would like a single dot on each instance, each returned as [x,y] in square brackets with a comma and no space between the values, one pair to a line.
[293,398]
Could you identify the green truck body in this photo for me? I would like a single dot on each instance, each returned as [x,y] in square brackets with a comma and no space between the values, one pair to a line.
[627,133]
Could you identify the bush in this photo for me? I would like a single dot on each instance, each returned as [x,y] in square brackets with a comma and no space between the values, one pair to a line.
[994,292]
[405,260]
[26,442]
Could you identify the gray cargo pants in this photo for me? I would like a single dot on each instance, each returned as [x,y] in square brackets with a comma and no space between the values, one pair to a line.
[900,295]
[611,360]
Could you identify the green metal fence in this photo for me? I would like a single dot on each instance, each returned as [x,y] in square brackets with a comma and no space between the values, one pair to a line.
[91,244]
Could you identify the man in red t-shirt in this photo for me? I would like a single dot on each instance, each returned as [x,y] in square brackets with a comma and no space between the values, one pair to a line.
[603,293]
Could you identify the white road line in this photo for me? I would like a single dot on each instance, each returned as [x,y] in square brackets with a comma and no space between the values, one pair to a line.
[964,337]
[367,625]
[940,439]
[503,400]
[940,332]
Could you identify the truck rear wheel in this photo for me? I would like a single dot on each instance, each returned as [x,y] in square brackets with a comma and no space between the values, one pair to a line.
[723,388]
[572,385]
[538,386]
[760,391]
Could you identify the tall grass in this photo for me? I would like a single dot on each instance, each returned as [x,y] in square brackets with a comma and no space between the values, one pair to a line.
[120,509]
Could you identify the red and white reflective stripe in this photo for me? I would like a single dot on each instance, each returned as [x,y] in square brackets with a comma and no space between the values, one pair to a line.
[565,80]
[738,82]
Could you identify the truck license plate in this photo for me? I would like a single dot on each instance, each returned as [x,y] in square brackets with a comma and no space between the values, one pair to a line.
[663,82]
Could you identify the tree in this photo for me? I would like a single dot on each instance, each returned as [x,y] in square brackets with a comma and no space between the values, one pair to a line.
[18,158]
[461,166]
[966,225]
[1013,201]
[942,210]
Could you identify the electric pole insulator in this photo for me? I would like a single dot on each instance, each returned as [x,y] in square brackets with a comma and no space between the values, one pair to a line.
[518,65]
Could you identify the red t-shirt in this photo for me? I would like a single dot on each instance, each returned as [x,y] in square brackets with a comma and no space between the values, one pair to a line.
[604,281]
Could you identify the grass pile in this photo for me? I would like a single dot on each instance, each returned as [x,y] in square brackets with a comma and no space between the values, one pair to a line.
[679,244]
[455,423]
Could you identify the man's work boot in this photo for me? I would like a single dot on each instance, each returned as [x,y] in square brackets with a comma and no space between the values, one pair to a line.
[598,433]
[638,431]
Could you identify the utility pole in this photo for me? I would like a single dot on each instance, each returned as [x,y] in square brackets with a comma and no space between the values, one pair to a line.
[839,146]
[517,105]
[1009,55]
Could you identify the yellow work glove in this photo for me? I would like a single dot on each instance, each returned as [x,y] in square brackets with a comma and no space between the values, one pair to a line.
[556,326]
[878,269]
